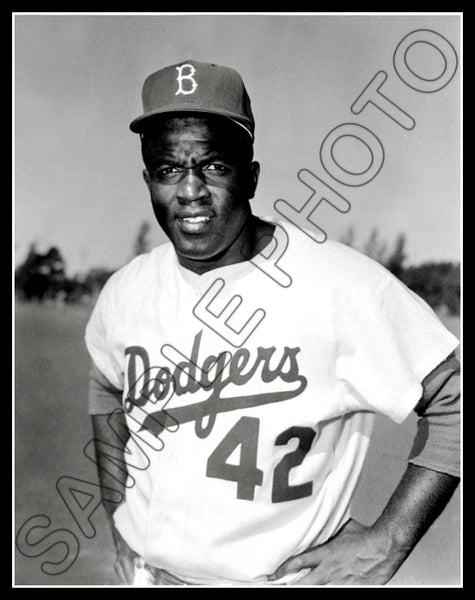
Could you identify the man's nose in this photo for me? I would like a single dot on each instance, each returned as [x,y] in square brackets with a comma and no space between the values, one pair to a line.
[192,188]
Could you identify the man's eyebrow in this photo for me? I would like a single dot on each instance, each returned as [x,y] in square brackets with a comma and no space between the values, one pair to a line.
[168,157]
[213,155]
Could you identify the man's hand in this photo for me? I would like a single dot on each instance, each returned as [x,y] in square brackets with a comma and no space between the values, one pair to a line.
[359,555]
[356,555]
[124,564]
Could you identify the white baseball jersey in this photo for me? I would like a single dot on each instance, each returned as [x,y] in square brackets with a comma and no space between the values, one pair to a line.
[250,422]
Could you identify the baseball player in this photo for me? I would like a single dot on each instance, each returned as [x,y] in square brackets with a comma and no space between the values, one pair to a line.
[238,368]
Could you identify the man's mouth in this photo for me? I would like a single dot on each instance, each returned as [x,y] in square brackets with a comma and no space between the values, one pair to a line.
[195,224]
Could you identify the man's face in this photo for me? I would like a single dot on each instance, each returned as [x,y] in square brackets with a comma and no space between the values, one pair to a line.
[200,184]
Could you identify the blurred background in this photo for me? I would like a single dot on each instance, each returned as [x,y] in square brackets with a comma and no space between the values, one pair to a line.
[82,210]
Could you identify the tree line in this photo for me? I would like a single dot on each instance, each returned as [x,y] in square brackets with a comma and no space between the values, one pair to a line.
[42,276]
[438,283]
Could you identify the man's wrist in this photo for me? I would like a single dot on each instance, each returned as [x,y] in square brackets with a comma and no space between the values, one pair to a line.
[390,548]
[392,539]
[119,541]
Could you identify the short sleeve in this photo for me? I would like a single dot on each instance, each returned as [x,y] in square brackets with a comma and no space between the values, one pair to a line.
[98,336]
[387,341]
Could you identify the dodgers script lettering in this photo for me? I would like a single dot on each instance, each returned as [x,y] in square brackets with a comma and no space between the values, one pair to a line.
[146,384]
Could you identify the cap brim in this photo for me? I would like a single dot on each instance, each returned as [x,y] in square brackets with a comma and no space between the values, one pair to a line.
[138,125]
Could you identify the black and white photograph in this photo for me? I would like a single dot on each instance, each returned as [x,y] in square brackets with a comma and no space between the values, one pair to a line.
[237,299]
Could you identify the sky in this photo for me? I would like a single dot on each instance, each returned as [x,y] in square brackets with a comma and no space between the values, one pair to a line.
[77,86]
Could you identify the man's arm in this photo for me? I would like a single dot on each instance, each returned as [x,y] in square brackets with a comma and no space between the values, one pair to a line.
[360,555]
[112,429]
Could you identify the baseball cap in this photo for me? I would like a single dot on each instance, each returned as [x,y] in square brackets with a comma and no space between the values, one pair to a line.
[192,86]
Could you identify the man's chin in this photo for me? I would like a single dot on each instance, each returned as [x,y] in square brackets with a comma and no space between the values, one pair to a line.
[201,261]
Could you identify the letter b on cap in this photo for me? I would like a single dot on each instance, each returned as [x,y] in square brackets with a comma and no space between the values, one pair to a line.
[187,76]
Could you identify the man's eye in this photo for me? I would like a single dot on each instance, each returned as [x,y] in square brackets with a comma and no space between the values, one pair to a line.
[216,168]
[166,171]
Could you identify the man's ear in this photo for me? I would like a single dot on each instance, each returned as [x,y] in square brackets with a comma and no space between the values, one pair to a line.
[254,178]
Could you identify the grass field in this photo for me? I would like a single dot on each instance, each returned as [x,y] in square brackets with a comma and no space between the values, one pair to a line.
[52,428]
